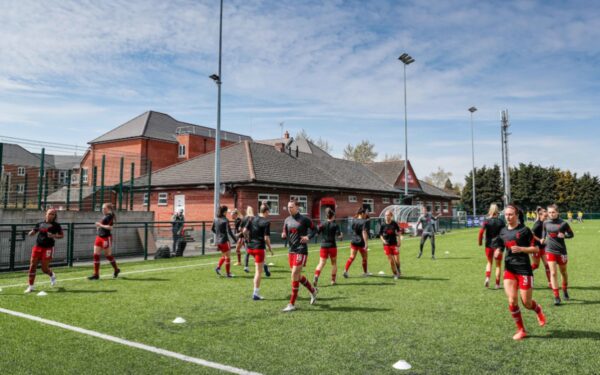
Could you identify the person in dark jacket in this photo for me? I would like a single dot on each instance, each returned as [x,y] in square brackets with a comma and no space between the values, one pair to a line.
[177,224]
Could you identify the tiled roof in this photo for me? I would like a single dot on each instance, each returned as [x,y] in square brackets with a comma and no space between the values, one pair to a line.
[17,155]
[432,190]
[156,125]
[388,170]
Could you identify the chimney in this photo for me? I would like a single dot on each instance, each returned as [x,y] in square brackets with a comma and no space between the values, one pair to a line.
[286,135]
[279,146]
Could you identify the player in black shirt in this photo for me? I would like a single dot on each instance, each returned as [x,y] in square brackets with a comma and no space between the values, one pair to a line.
[222,232]
[538,234]
[258,233]
[329,232]
[518,243]
[104,241]
[555,232]
[491,227]
[250,216]
[389,232]
[47,231]
[298,230]
[359,242]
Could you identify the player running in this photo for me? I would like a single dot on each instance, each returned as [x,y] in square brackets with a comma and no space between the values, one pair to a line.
[555,232]
[258,231]
[222,232]
[104,241]
[389,232]
[237,232]
[491,228]
[329,231]
[427,223]
[359,242]
[538,234]
[298,230]
[518,243]
[47,232]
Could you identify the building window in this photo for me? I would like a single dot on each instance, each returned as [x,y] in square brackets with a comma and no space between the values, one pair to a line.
[302,203]
[429,206]
[385,200]
[84,173]
[352,198]
[369,204]
[181,151]
[271,200]
[21,171]
[62,177]
[446,207]
[145,199]
[163,199]
[438,207]
[20,189]
[397,201]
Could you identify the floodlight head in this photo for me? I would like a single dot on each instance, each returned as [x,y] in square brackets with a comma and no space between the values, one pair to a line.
[472,109]
[404,55]
[215,78]
[406,59]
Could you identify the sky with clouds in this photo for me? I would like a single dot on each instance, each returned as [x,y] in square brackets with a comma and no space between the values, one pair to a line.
[72,70]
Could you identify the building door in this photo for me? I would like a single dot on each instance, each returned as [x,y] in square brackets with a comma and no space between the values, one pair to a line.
[180,202]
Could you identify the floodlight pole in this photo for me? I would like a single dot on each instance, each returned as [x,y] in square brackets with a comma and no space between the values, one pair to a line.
[217,79]
[472,110]
[406,60]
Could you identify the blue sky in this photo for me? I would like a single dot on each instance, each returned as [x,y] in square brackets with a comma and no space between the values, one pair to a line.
[72,70]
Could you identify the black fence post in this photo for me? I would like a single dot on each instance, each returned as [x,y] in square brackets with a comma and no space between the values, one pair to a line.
[80,189]
[5,192]
[102,182]
[25,192]
[46,192]
[149,184]
[69,189]
[121,183]
[71,244]
[94,179]
[13,247]
[203,238]
[41,179]
[146,240]
[131,187]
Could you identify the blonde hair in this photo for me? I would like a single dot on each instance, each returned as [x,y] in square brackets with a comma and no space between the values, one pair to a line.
[494,211]
[249,211]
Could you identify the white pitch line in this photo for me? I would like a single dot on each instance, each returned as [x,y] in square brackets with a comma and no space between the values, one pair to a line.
[137,345]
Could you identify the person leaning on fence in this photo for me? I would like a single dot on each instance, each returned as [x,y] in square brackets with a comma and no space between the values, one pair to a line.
[177,223]
[47,231]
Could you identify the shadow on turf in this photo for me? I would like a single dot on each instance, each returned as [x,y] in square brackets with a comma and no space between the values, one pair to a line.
[63,290]
[585,287]
[143,279]
[325,307]
[570,334]
[421,278]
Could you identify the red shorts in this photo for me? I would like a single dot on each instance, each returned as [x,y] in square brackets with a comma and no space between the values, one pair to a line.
[541,253]
[297,259]
[525,282]
[43,253]
[560,259]
[224,247]
[258,254]
[103,242]
[328,252]
[361,250]
[489,254]
[390,250]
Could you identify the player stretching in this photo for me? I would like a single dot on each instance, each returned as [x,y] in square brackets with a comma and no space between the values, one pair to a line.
[104,241]
[329,231]
[258,232]
[298,230]
[491,227]
[538,234]
[222,231]
[427,223]
[555,232]
[237,232]
[518,243]
[249,217]
[47,231]
[389,232]
[359,242]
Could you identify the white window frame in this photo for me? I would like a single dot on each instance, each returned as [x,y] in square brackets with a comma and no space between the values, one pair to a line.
[385,200]
[84,172]
[302,203]
[272,200]
[370,202]
[21,171]
[62,177]
[145,201]
[438,206]
[446,207]
[20,189]
[163,199]
[181,151]
[352,199]
[397,201]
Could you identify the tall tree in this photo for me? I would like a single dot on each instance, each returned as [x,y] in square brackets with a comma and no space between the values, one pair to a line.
[448,185]
[392,157]
[488,187]
[362,153]
[321,143]
[439,177]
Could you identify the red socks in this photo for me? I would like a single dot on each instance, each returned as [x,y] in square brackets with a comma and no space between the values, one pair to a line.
[555,292]
[96,264]
[536,307]
[534,267]
[333,276]
[112,261]
[32,269]
[306,283]
[295,287]
[349,263]
[228,265]
[239,255]
[516,315]
[317,273]
[487,274]
[221,261]
[564,286]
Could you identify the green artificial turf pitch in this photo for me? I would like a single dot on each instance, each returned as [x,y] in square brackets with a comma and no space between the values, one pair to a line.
[438,317]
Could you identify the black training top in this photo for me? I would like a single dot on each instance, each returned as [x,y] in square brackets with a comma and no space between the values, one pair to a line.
[295,227]
[538,231]
[492,227]
[358,227]
[106,220]
[42,229]
[554,244]
[390,233]
[258,228]
[517,263]
[222,229]
[329,232]
[237,226]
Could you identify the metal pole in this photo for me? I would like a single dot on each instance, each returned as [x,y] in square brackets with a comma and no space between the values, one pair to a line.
[46,192]
[41,179]
[473,161]
[131,187]
[69,189]
[102,182]
[405,139]
[146,239]
[94,180]
[80,189]
[5,192]
[121,183]
[25,192]
[149,184]
[217,186]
